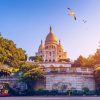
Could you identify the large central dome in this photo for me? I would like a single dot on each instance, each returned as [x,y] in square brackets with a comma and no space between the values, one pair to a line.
[51,38]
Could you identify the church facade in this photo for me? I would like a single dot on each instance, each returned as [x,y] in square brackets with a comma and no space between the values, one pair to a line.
[60,75]
[51,51]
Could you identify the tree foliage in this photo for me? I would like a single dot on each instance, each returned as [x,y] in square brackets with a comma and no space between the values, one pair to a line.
[97,75]
[90,61]
[10,54]
[31,73]
[36,58]
[80,62]
[97,56]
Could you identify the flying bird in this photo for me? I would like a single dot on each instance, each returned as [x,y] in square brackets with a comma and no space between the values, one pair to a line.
[84,21]
[71,13]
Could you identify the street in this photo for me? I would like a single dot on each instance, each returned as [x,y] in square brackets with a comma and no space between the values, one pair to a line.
[49,98]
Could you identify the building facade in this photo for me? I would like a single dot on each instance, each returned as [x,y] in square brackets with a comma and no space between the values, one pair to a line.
[61,75]
[51,50]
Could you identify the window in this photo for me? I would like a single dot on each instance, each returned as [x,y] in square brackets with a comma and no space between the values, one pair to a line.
[59,50]
[50,53]
[46,60]
[59,56]
[46,47]
[53,60]
[49,60]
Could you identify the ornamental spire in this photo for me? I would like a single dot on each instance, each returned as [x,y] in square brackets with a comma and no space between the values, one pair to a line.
[59,42]
[99,44]
[41,41]
[50,28]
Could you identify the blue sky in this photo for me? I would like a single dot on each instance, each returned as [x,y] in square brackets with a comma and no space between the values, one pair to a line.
[26,22]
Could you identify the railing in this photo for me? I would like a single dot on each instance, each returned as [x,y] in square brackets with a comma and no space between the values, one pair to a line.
[69,72]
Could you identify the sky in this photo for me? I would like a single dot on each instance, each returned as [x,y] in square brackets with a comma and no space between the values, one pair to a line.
[26,22]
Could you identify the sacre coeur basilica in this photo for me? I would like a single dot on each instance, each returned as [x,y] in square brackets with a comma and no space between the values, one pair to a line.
[59,74]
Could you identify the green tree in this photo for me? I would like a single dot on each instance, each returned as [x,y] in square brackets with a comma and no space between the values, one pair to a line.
[31,74]
[80,62]
[10,54]
[85,90]
[90,61]
[36,58]
[97,76]
[97,56]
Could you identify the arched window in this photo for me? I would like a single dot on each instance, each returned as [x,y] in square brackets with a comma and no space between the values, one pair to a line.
[50,53]
[46,60]
[46,47]
[53,60]
[59,50]
[49,60]
[59,56]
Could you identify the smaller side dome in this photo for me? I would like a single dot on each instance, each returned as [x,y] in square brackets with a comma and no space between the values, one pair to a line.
[41,46]
[59,45]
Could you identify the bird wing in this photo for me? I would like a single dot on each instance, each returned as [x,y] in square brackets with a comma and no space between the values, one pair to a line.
[68,8]
[71,13]
[84,21]
[75,17]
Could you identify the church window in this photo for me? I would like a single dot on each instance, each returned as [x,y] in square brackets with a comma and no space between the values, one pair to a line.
[50,53]
[46,60]
[53,60]
[59,50]
[49,60]
[46,47]
[59,55]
